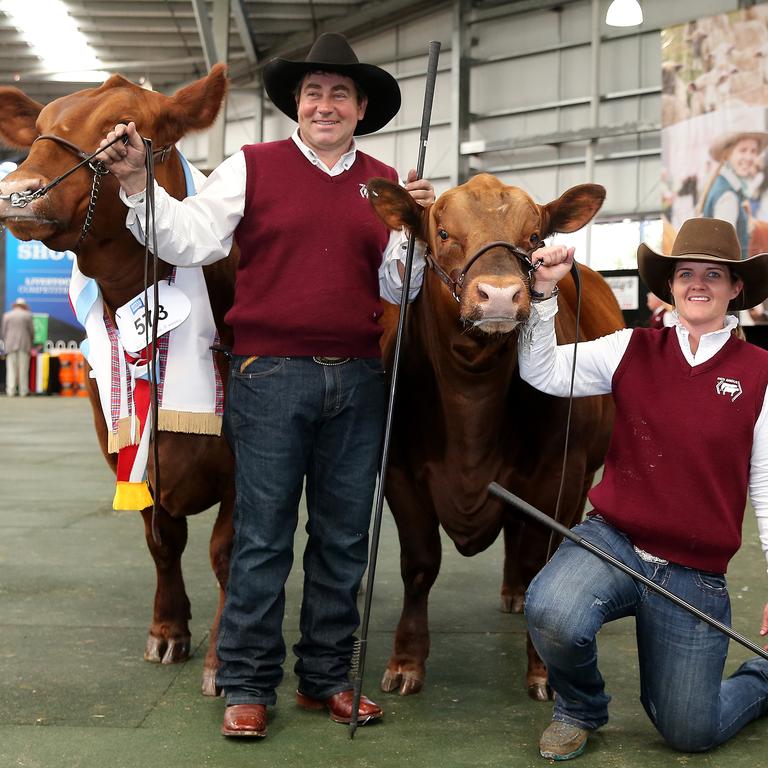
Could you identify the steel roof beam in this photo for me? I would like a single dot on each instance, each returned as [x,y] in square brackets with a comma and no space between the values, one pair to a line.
[244,30]
[206,32]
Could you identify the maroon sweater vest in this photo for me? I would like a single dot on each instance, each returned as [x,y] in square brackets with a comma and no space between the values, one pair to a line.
[310,250]
[677,471]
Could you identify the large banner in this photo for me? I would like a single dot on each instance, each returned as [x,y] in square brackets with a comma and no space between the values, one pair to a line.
[714,124]
[40,276]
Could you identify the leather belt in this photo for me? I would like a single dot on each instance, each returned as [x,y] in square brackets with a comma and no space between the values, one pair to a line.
[331,360]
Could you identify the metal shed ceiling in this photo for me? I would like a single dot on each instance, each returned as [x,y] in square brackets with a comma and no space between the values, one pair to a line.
[164,40]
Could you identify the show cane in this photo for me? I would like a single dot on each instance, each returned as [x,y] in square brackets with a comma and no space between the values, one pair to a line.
[503,494]
[358,659]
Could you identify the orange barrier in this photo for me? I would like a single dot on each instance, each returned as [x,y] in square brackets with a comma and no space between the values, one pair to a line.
[67,362]
[80,375]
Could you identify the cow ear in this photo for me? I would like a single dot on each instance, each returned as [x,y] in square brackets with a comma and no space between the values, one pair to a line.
[195,107]
[396,208]
[573,209]
[18,115]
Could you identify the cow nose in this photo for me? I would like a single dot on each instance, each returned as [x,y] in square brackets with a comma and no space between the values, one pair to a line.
[20,184]
[499,300]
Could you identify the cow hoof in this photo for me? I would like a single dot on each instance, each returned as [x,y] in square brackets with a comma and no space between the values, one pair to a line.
[410,685]
[512,603]
[154,649]
[391,681]
[178,650]
[158,650]
[406,682]
[539,691]
[209,683]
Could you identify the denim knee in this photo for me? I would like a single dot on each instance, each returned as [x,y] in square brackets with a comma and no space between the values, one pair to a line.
[552,623]
[679,729]
[686,736]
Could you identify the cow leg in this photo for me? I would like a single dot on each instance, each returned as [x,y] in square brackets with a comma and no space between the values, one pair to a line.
[512,586]
[532,559]
[536,678]
[169,640]
[420,555]
[220,550]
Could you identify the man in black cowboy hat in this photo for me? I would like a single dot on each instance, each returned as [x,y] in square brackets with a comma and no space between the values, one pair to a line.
[690,439]
[306,395]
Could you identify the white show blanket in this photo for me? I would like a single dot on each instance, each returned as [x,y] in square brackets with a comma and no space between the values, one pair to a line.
[189,389]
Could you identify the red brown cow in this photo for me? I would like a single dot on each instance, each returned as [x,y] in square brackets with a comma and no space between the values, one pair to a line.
[196,469]
[464,417]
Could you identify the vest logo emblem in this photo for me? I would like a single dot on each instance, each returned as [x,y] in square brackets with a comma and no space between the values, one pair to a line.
[363,191]
[728,387]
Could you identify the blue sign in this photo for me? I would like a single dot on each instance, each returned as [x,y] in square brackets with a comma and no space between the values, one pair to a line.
[40,276]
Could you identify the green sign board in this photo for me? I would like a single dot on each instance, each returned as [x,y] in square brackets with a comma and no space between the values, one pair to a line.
[40,321]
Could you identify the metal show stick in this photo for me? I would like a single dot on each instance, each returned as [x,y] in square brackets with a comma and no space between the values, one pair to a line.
[508,497]
[358,660]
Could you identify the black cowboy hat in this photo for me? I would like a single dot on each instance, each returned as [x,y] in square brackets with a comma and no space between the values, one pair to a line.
[332,53]
[711,240]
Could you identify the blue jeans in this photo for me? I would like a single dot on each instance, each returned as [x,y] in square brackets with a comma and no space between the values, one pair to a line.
[681,658]
[287,420]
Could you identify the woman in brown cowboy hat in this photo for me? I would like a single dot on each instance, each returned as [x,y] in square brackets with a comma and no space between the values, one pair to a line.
[728,194]
[690,439]
[306,399]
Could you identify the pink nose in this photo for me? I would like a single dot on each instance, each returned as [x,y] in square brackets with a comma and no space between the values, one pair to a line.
[20,184]
[499,300]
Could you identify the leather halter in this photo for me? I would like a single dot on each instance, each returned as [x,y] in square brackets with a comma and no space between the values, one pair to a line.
[457,285]
[22,199]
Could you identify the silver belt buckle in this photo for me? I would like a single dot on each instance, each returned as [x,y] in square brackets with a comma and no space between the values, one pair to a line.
[320,360]
[649,558]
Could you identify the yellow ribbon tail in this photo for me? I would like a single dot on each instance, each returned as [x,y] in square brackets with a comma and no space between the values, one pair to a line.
[131,496]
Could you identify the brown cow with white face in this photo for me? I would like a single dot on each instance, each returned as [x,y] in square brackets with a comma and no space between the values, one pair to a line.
[196,469]
[463,415]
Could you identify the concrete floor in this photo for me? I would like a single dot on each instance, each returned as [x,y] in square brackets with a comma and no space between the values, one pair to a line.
[76,586]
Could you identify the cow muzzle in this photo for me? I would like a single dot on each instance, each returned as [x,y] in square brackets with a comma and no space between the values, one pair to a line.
[495,304]
[25,213]
[457,285]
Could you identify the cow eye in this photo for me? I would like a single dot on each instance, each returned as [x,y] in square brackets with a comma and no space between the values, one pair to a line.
[534,239]
[442,234]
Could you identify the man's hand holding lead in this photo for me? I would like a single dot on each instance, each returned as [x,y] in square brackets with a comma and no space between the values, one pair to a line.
[125,159]
[421,190]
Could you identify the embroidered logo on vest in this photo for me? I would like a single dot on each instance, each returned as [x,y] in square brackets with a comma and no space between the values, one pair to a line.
[728,387]
[363,191]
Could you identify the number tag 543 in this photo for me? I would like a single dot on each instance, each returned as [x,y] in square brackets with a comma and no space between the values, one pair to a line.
[134,319]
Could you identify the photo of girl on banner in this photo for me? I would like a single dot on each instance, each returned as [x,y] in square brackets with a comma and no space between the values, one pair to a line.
[715,124]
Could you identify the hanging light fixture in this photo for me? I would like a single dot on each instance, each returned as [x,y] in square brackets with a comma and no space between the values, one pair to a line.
[624,13]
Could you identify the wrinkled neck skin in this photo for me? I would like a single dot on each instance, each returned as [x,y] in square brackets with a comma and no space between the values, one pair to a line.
[475,371]
[119,281]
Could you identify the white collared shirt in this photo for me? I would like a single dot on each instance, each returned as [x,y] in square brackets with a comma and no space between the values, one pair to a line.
[199,230]
[547,366]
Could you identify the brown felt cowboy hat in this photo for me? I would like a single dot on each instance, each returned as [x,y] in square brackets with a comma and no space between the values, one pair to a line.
[332,53]
[724,143]
[706,240]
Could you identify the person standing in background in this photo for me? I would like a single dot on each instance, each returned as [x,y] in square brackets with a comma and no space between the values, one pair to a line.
[661,312]
[18,333]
